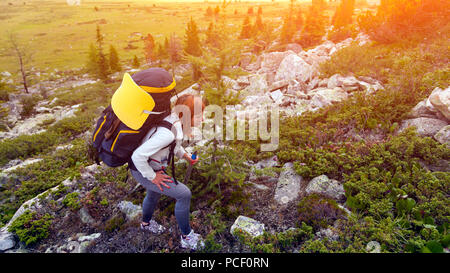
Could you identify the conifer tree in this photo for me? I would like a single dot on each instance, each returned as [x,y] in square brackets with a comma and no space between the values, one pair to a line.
[192,42]
[211,36]
[250,11]
[166,45]
[114,59]
[209,12]
[149,47]
[246,29]
[102,62]
[216,11]
[288,29]
[344,13]
[259,26]
[92,65]
[174,49]
[259,10]
[136,63]
[299,21]
[315,24]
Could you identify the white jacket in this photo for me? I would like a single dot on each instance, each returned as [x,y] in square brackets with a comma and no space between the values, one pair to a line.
[153,147]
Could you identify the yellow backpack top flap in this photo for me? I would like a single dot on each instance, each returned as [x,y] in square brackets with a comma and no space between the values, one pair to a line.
[129,103]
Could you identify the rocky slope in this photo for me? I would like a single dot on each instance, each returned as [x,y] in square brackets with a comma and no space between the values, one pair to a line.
[289,79]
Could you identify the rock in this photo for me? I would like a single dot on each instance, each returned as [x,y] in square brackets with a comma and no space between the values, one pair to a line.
[243,81]
[7,240]
[313,83]
[294,67]
[246,59]
[288,186]
[23,164]
[327,233]
[421,110]
[347,212]
[440,99]
[256,101]
[334,81]
[333,95]
[267,163]
[129,209]
[277,96]
[43,110]
[259,186]
[426,127]
[294,47]
[258,84]
[278,85]
[270,62]
[70,247]
[441,165]
[190,90]
[373,247]
[443,136]
[85,216]
[248,225]
[6,74]
[296,86]
[323,97]
[330,187]
[90,237]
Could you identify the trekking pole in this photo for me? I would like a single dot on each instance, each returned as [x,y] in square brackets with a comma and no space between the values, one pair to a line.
[189,170]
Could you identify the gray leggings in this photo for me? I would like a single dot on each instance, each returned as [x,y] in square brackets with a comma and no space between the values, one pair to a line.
[180,192]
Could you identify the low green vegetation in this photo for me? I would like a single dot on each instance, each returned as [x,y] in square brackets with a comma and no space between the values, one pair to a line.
[31,227]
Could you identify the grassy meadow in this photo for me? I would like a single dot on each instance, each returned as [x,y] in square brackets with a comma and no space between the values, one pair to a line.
[58,35]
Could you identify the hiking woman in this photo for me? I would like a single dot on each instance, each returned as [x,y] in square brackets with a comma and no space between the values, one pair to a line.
[150,160]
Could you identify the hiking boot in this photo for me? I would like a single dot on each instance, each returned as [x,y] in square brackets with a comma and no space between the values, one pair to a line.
[192,241]
[153,227]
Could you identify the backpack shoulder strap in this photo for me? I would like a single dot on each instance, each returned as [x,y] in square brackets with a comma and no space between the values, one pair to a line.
[165,124]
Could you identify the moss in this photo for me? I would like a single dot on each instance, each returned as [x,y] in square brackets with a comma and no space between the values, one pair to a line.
[31,227]
[72,201]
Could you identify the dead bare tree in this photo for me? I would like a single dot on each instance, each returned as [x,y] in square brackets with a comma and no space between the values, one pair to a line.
[23,55]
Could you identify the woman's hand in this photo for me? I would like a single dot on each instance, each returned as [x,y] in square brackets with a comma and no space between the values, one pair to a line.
[189,159]
[160,178]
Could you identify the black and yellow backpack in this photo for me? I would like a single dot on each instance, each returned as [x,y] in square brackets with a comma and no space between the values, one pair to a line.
[141,102]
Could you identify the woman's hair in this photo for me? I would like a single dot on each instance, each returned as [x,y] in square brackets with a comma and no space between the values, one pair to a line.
[188,100]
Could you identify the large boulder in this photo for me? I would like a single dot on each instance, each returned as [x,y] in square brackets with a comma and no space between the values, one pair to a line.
[421,110]
[294,47]
[440,99]
[323,185]
[294,67]
[247,225]
[288,186]
[271,61]
[322,97]
[426,127]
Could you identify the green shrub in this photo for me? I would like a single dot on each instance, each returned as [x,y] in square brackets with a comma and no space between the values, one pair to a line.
[72,201]
[318,211]
[31,227]
[28,104]
[339,34]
